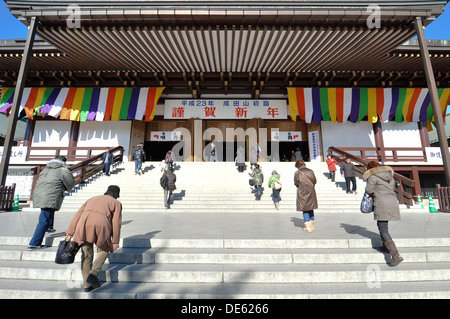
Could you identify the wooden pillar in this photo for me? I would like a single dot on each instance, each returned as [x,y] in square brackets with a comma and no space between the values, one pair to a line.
[379,141]
[73,139]
[424,137]
[431,83]
[416,177]
[198,140]
[190,143]
[12,123]
[29,132]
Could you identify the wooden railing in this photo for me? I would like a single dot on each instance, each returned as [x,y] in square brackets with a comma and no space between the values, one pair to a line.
[388,154]
[71,153]
[83,170]
[443,198]
[403,196]
[7,197]
[93,165]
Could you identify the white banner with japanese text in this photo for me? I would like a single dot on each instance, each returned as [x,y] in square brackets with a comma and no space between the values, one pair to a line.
[434,155]
[165,136]
[314,146]
[287,136]
[18,154]
[225,109]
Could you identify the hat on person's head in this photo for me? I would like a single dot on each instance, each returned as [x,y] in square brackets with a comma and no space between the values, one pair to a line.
[113,190]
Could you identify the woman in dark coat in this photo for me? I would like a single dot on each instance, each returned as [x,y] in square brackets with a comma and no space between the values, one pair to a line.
[169,187]
[380,185]
[240,159]
[258,179]
[305,180]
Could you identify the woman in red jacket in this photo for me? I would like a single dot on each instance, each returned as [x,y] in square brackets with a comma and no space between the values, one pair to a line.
[331,162]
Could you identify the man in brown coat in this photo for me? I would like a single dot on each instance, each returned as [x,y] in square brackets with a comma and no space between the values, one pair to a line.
[97,222]
[305,180]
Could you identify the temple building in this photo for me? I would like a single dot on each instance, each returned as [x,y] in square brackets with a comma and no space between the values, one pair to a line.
[308,75]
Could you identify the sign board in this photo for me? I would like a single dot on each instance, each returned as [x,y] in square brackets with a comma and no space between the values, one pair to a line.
[23,177]
[314,146]
[165,136]
[434,155]
[18,154]
[225,109]
[287,136]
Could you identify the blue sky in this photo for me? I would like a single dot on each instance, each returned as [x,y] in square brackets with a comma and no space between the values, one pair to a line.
[11,28]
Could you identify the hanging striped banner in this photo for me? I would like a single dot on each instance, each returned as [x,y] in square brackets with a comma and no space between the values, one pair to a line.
[85,104]
[6,100]
[354,104]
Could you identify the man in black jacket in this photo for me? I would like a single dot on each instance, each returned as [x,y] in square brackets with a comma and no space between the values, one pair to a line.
[167,182]
[108,159]
[139,157]
[348,171]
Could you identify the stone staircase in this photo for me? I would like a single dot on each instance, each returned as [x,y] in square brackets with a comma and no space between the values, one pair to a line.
[218,187]
[148,266]
[234,269]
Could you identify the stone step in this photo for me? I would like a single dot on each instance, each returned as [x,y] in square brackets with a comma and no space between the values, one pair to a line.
[217,198]
[232,273]
[133,189]
[230,199]
[146,242]
[148,186]
[251,203]
[255,207]
[239,255]
[218,169]
[53,289]
[232,210]
[235,208]
[213,180]
[230,184]
[210,199]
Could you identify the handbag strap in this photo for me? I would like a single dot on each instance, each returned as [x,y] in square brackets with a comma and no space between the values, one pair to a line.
[306,177]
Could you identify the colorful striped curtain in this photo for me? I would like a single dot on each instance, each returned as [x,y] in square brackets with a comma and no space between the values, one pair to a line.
[85,104]
[353,104]
[6,100]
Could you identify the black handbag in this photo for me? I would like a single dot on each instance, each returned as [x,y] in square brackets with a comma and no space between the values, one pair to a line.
[251,182]
[366,204]
[67,249]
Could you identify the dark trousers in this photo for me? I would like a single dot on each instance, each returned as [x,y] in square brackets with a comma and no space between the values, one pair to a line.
[332,175]
[167,198]
[45,221]
[258,191]
[347,183]
[137,165]
[276,195]
[106,167]
[384,230]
